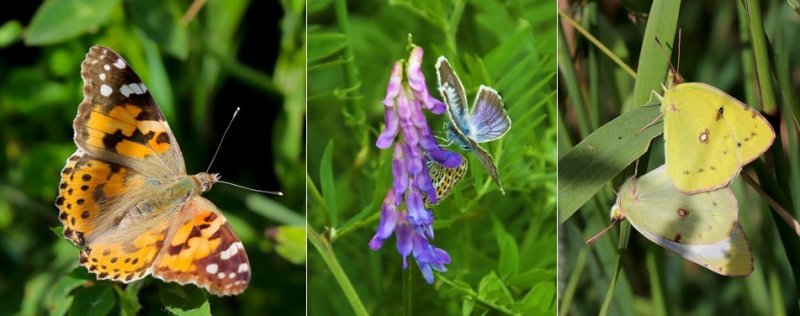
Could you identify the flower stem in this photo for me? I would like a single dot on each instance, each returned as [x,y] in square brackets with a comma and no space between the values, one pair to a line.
[407,306]
[325,250]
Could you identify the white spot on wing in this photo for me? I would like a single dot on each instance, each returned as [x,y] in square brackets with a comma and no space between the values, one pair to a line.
[125,90]
[243,267]
[119,63]
[105,90]
[212,268]
[103,76]
[137,88]
[232,275]
[106,67]
[221,275]
[232,250]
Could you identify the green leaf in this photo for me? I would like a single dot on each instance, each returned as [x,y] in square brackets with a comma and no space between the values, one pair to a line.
[60,20]
[158,21]
[467,306]
[539,301]
[492,290]
[509,251]
[292,243]
[795,4]
[58,300]
[184,300]
[273,210]
[588,166]
[652,68]
[326,181]
[93,300]
[322,45]
[129,299]
[10,33]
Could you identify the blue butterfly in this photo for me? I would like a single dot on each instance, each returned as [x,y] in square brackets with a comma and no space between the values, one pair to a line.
[487,121]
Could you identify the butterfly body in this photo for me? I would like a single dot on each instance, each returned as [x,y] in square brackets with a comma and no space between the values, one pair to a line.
[703,228]
[486,121]
[709,135]
[125,198]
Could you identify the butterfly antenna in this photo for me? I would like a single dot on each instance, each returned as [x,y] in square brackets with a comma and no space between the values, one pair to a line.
[680,32]
[664,50]
[251,189]
[601,233]
[223,138]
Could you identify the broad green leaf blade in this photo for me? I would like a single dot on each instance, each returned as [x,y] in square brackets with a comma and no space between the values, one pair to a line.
[93,300]
[653,64]
[10,33]
[292,243]
[322,45]
[588,166]
[184,300]
[158,21]
[59,20]
[273,210]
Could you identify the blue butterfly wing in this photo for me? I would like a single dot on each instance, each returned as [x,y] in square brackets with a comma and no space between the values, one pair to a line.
[488,120]
[451,89]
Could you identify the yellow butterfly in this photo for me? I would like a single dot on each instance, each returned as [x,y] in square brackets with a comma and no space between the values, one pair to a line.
[703,228]
[709,135]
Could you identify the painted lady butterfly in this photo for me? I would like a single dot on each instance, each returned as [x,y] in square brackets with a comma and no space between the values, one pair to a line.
[125,198]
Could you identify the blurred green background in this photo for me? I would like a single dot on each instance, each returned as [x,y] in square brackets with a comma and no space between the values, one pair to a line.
[748,53]
[502,246]
[200,60]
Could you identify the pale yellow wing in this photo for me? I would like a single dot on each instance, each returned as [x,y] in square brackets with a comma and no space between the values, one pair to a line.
[709,136]
[702,228]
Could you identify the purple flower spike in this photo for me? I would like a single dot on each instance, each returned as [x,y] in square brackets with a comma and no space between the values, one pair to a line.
[403,211]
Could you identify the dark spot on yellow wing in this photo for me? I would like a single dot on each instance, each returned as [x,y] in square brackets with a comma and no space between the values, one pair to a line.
[85,214]
[686,172]
[83,259]
[127,260]
[67,170]
[60,200]
[84,188]
[102,275]
[107,252]
[713,168]
[92,268]
[63,185]
[719,113]
[135,261]
[682,213]
[714,203]
[700,170]
[80,201]
[72,221]
[86,177]
[69,192]
[216,235]
[211,217]
[62,215]
[725,152]
[162,138]
[129,277]
[738,144]
[113,260]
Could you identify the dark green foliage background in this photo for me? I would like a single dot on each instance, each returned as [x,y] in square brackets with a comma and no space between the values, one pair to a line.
[502,247]
[233,53]
[717,49]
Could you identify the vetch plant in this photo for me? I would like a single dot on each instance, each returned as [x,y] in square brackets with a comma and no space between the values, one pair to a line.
[403,211]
